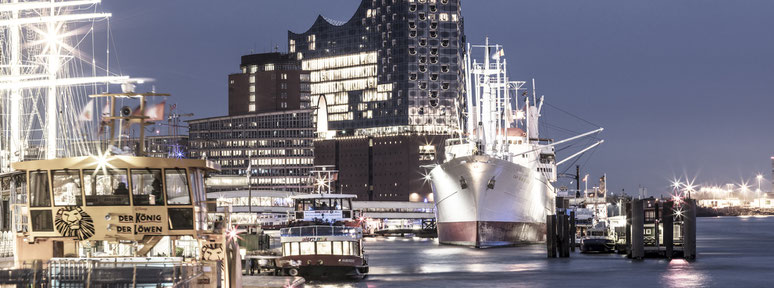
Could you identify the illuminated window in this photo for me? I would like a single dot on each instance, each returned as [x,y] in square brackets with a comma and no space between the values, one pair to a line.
[324,248]
[292,46]
[294,249]
[252,97]
[284,76]
[307,248]
[253,68]
[251,108]
[443,17]
[311,39]
[268,67]
[147,187]
[427,152]
[108,187]
[67,187]
[177,187]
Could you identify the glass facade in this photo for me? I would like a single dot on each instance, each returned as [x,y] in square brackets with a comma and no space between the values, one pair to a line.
[278,145]
[395,66]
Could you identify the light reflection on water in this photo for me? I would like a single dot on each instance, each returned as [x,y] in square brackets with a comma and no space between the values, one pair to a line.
[732,252]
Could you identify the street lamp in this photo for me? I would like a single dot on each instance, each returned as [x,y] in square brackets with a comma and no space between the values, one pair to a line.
[758,192]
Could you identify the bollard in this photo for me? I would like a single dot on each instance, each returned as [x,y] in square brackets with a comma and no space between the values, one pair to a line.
[689,227]
[551,236]
[628,240]
[668,224]
[638,226]
[572,231]
[565,235]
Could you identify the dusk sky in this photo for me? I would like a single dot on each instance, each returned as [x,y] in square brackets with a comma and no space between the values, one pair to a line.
[681,87]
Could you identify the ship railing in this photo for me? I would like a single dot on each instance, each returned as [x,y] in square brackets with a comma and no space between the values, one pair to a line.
[69,272]
[321,230]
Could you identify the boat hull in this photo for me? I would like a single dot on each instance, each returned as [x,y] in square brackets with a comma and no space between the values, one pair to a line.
[482,201]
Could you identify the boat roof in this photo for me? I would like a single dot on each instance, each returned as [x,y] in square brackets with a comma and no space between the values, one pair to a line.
[320,196]
[114,162]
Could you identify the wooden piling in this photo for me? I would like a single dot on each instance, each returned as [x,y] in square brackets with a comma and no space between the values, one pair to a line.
[572,231]
[638,226]
[565,236]
[668,224]
[551,236]
[689,226]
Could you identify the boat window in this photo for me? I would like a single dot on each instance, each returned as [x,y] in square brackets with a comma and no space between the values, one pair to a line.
[39,194]
[294,248]
[324,248]
[346,248]
[181,219]
[307,248]
[106,187]
[67,187]
[147,187]
[286,249]
[347,204]
[177,187]
[42,220]
[355,248]
[322,204]
[337,248]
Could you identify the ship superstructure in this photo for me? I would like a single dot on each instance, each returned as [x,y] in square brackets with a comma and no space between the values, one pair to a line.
[495,186]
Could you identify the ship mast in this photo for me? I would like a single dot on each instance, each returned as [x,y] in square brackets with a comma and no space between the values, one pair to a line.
[54,18]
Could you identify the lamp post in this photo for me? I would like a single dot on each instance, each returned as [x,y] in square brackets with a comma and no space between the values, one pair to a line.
[758,192]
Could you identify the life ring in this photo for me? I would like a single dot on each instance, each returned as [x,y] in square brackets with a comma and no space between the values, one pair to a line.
[293,272]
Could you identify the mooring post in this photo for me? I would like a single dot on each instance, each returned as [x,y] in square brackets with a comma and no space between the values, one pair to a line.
[629,229]
[638,226]
[565,235]
[689,226]
[572,231]
[668,224]
[551,236]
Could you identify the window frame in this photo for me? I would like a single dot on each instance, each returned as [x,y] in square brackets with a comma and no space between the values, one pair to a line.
[98,172]
[31,200]
[187,185]
[80,198]
[163,187]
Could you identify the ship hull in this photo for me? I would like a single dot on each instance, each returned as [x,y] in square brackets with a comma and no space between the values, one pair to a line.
[482,201]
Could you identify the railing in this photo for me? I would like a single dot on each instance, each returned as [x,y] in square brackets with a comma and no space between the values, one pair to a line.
[82,272]
[305,231]
[6,244]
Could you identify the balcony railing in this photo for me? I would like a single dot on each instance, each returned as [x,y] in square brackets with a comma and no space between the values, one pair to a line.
[320,230]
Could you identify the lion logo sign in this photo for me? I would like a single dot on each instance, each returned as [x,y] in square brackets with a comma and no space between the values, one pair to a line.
[212,252]
[74,222]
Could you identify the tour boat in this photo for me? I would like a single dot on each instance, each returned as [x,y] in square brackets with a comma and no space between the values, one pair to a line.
[325,241]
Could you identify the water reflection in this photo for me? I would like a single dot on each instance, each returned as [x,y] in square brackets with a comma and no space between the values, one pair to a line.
[731,253]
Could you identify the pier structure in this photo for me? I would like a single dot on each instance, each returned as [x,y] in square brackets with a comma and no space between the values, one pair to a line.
[661,228]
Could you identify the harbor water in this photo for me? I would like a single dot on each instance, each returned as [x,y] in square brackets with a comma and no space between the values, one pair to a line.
[732,252]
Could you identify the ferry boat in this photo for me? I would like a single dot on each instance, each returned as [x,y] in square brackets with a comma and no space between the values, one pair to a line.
[325,241]
[112,219]
[495,186]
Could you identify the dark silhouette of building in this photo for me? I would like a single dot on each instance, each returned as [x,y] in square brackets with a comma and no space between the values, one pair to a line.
[268,82]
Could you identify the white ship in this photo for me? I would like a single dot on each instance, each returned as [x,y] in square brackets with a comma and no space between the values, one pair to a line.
[495,187]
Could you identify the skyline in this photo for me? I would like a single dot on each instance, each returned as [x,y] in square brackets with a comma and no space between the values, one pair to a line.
[612,63]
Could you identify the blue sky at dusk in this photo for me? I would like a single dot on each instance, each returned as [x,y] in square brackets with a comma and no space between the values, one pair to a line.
[681,87]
